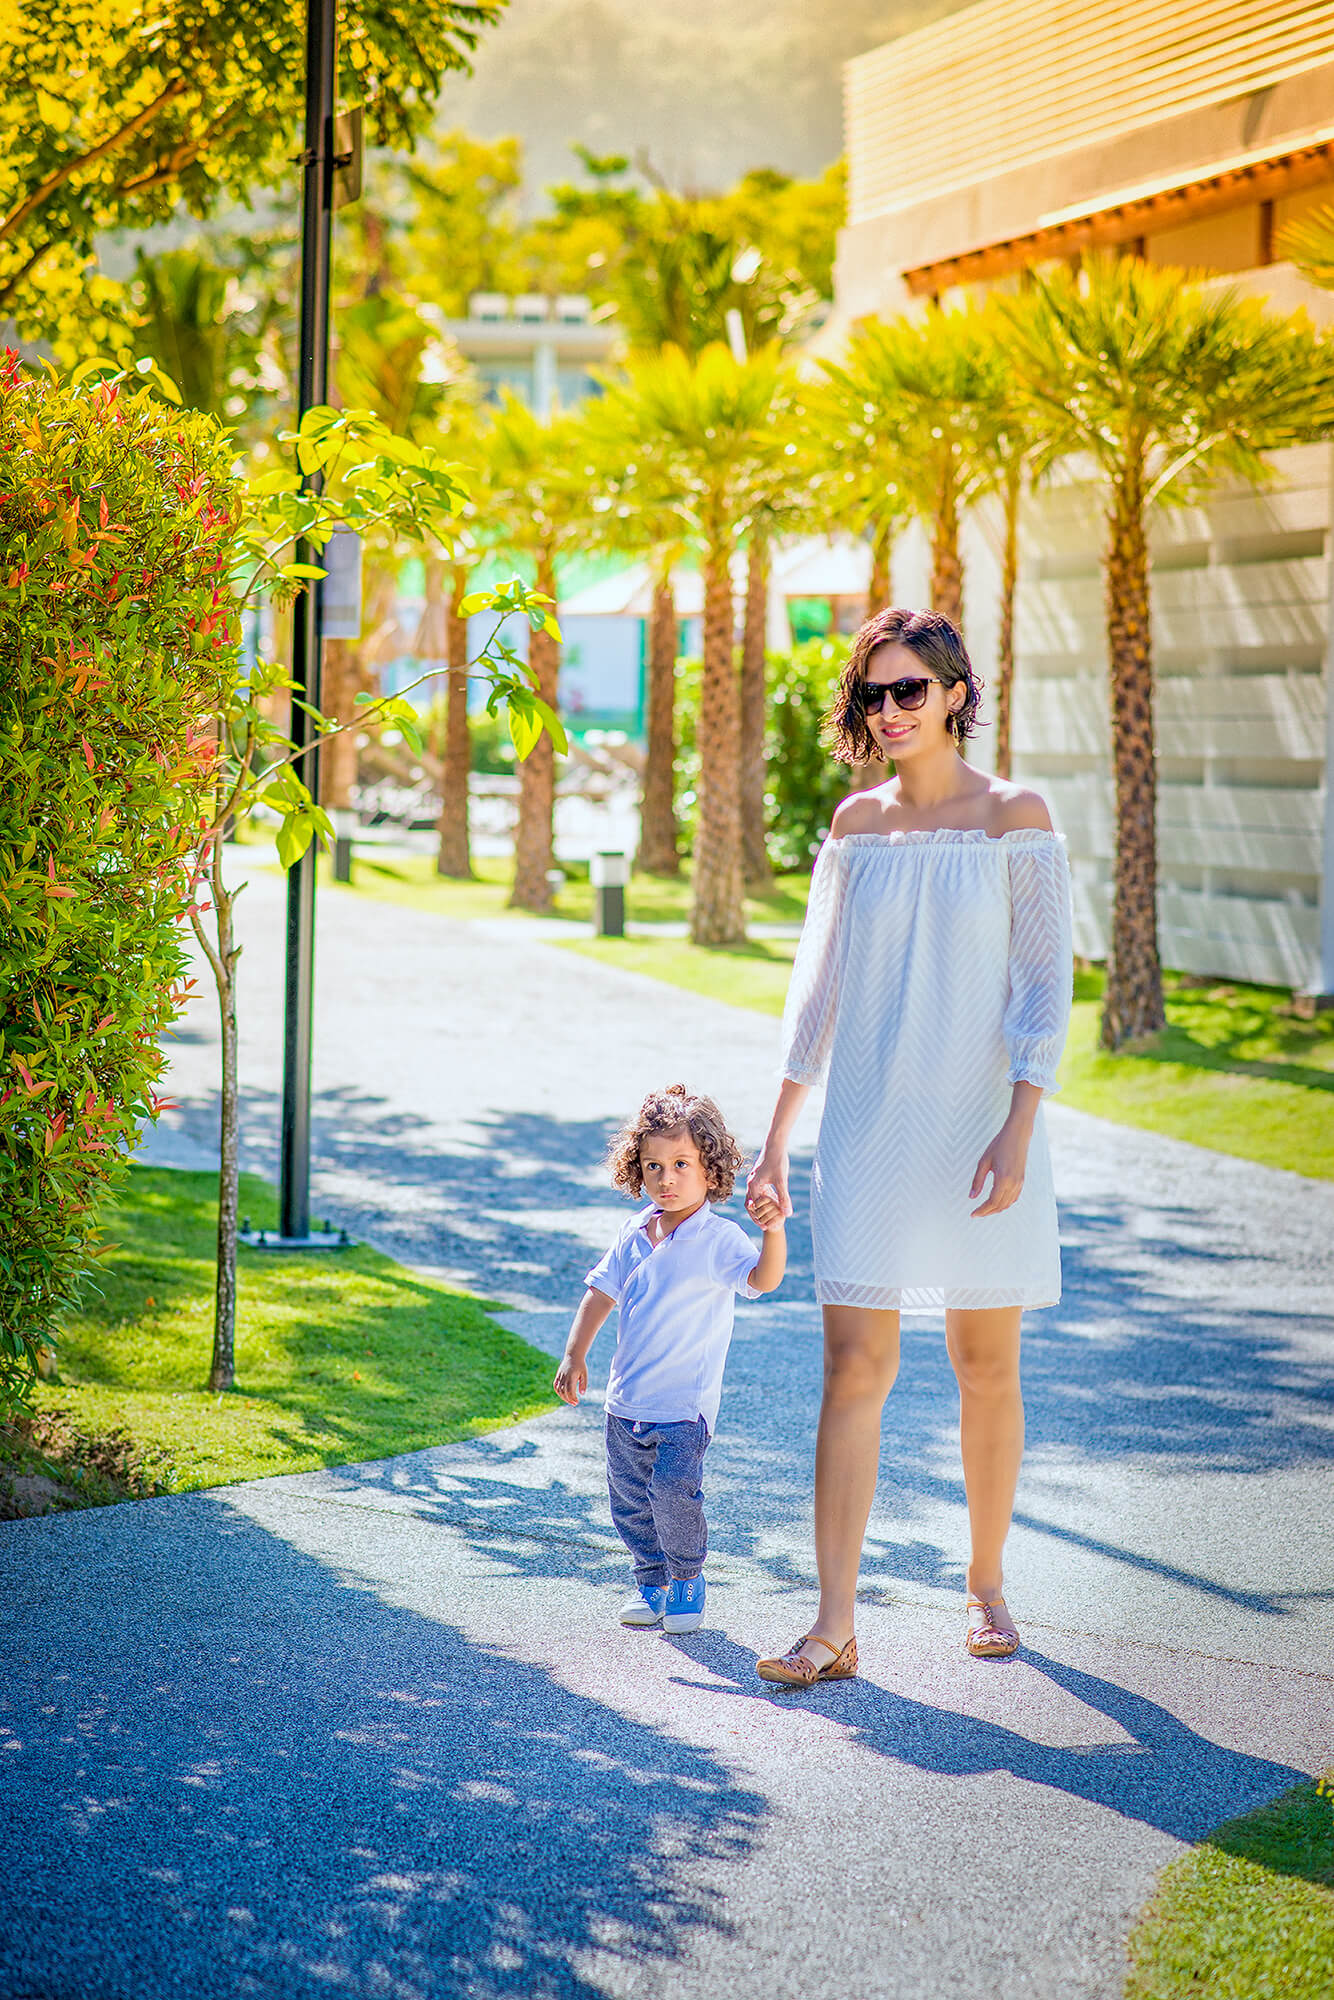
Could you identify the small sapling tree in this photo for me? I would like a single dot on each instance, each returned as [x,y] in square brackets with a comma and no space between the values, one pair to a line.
[374,483]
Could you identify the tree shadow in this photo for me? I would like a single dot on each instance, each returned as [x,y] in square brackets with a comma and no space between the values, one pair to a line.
[1166,1775]
[1142,1364]
[245,1776]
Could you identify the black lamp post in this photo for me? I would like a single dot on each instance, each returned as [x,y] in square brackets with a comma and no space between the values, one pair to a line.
[317,203]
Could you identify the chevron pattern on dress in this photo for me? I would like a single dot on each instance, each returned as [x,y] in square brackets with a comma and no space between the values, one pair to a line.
[934,971]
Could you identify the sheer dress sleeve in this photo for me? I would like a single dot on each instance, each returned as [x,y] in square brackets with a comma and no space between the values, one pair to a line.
[1041,960]
[812,994]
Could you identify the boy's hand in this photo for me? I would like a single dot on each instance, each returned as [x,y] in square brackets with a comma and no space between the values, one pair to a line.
[571,1380]
[765,1207]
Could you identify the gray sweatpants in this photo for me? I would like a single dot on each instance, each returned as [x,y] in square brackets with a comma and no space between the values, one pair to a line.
[654,1474]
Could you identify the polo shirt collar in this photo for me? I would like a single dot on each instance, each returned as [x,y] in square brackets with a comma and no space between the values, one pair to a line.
[692,1224]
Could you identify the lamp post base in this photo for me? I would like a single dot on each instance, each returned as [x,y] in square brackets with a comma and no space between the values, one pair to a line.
[327,1238]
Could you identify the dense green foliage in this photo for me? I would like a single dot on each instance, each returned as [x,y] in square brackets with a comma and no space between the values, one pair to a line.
[114,119]
[804,782]
[116,524]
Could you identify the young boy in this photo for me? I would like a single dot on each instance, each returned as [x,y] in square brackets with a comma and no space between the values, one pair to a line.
[673,1272]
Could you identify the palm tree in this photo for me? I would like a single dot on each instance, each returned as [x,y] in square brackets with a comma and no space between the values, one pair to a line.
[538,507]
[659,836]
[697,432]
[1309,244]
[857,481]
[919,386]
[623,522]
[1165,385]
[442,638]
[786,502]
[1012,438]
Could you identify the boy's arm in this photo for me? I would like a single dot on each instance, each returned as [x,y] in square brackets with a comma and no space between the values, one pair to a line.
[768,1273]
[572,1376]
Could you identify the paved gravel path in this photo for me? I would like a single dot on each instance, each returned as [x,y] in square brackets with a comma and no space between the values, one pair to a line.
[370,1732]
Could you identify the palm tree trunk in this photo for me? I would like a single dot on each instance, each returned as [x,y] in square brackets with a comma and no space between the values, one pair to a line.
[754,775]
[657,808]
[874,771]
[1005,643]
[878,587]
[339,686]
[533,854]
[1133,1004]
[946,565]
[454,855]
[717,914]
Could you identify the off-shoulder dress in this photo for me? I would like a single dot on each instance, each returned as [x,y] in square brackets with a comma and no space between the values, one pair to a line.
[933,972]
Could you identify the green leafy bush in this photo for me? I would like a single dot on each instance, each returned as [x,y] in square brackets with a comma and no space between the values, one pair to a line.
[804,782]
[117,643]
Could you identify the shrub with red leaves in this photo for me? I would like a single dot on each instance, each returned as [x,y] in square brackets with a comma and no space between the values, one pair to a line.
[118,642]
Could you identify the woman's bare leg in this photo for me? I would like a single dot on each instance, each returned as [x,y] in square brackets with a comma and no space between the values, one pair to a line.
[861,1359]
[984,1348]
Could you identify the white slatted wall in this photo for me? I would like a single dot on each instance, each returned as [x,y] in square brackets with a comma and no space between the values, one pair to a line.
[1240,597]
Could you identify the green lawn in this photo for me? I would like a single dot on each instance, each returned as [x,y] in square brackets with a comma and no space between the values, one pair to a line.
[751,975]
[341,1355]
[1249,1913]
[651,899]
[1235,1069]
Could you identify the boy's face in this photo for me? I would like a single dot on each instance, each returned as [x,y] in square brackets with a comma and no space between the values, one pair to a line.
[674,1175]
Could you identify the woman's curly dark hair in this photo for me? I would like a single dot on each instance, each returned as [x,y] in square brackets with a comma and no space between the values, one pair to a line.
[665,1111]
[937,643]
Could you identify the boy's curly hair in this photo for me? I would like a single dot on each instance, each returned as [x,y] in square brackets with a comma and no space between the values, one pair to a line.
[666,1111]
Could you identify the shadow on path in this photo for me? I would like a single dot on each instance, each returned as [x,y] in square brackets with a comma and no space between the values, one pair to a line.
[1142,1359]
[1167,1776]
[256,1779]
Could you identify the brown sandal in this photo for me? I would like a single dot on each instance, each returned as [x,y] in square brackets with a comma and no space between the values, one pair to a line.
[985,1639]
[792,1669]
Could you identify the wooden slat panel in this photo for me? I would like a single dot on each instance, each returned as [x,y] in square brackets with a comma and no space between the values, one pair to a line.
[1256,716]
[1268,942]
[1039,78]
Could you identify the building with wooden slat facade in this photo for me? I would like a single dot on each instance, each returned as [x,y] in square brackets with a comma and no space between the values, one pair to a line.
[1021,131]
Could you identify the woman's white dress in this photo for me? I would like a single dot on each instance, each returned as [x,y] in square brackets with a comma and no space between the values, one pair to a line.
[934,971]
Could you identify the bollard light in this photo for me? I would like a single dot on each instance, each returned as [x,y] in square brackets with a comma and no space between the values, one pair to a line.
[609,874]
[344,826]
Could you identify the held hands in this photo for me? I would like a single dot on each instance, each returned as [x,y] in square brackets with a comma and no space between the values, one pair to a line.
[764,1207]
[767,1200]
[571,1380]
[1005,1160]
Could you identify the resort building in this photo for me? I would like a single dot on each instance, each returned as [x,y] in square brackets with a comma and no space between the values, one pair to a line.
[543,350]
[1022,131]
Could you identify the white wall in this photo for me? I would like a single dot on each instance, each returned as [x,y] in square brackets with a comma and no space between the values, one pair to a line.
[1240,598]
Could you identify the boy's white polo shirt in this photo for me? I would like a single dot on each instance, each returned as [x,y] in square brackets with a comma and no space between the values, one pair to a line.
[676,1301]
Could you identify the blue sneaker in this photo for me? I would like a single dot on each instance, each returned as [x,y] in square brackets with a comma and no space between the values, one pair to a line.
[685,1605]
[645,1605]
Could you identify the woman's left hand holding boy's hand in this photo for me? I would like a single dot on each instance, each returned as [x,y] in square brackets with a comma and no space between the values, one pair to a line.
[764,1207]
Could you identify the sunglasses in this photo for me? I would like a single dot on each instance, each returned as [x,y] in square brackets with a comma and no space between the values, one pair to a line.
[907,694]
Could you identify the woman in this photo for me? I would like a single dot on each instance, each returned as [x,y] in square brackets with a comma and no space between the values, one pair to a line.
[932,983]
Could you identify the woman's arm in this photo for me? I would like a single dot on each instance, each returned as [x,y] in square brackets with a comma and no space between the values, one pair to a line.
[808,1020]
[1038,1009]
[770,1170]
[1006,1158]
[572,1375]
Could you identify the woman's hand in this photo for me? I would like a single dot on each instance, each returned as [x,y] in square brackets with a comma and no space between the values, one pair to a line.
[767,1182]
[1005,1160]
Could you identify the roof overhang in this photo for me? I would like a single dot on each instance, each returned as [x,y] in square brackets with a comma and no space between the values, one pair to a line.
[1130,213]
